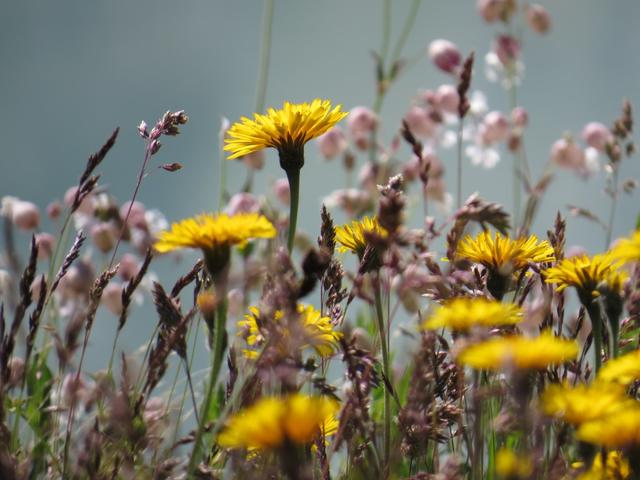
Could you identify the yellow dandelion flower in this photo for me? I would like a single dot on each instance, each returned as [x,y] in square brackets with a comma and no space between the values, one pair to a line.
[272,421]
[519,352]
[623,370]
[582,403]
[461,314]
[617,468]
[620,429]
[509,465]
[586,274]
[351,237]
[210,231]
[287,129]
[503,254]
[627,249]
[318,330]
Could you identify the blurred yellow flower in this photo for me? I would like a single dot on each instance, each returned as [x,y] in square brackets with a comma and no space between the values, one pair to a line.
[503,254]
[318,330]
[519,352]
[511,466]
[460,314]
[351,237]
[583,403]
[617,468]
[272,421]
[210,231]
[586,274]
[623,370]
[287,129]
[620,429]
[627,249]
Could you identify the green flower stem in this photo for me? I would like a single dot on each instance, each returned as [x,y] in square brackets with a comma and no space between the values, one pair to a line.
[596,328]
[386,371]
[265,51]
[293,175]
[218,357]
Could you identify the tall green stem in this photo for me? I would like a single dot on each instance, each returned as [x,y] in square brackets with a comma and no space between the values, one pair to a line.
[293,175]
[386,371]
[596,329]
[218,356]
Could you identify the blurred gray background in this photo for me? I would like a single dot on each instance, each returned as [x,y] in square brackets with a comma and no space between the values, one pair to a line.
[72,70]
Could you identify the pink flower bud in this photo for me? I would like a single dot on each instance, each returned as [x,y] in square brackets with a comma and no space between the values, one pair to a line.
[596,135]
[242,203]
[254,160]
[129,267]
[142,129]
[520,117]
[490,10]
[45,242]
[25,215]
[566,154]
[447,98]
[281,191]
[538,18]
[103,236]
[419,122]
[361,120]
[445,55]
[136,216]
[411,169]
[54,209]
[112,298]
[507,49]
[332,143]
[496,127]
[87,204]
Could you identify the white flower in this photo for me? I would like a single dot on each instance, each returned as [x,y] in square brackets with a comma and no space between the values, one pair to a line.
[487,157]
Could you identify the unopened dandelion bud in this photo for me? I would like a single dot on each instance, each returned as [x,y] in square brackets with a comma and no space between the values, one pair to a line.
[445,55]
[447,99]
[45,243]
[596,135]
[419,122]
[538,18]
[103,236]
[566,154]
[281,191]
[496,127]
[361,120]
[332,143]
[25,215]
[242,203]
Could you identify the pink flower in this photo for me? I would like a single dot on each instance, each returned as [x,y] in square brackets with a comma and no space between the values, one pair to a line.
[491,10]
[25,215]
[495,127]
[361,120]
[445,55]
[596,135]
[242,203]
[254,160]
[447,98]
[520,117]
[281,191]
[332,143]
[103,236]
[566,154]
[507,48]
[112,298]
[538,18]
[45,242]
[419,122]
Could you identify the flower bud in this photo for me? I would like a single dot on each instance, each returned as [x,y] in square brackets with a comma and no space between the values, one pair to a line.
[54,209]
[242,203]
[495,127]
[332,143]
[129,267]
[103,236]
[419,122]
[566,154]
[507,48]
[281,191]
[490,10]
[136,217]
[520,117]
[447,98]
[445,55]
[45,243]
[596,135]
[112,298]
[25,215]
[87,204]
[538,18]
[254,160]
[361,120]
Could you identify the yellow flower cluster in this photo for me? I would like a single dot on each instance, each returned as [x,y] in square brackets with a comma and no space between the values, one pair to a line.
[273,421]
[502,254]
[518,352]
[318,330]
[286,129]
[461,314]
[627,249]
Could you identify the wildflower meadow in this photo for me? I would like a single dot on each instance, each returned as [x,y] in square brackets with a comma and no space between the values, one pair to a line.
[408,326]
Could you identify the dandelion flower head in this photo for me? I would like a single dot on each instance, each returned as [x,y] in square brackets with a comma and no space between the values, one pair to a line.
[286,129]
[519,352]
[627,249]
[616,468]
[620,429]
[461,314]
[272,421]
[503,254]
[352,237]
[623,370]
